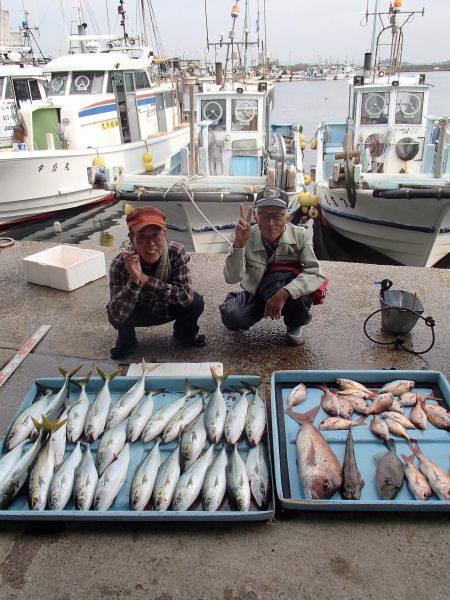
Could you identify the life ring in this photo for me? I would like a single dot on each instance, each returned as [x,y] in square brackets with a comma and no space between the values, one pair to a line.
[5,242]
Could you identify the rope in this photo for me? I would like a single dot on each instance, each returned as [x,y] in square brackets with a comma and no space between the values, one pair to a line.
[399,341]
[190,195]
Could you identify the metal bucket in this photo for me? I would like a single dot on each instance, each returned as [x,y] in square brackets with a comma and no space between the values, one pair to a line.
[398,320]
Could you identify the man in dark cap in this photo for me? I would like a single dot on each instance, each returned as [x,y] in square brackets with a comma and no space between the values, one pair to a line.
[150,284]
[275,264]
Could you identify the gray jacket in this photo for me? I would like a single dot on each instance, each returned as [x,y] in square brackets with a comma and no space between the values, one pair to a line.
[247,265]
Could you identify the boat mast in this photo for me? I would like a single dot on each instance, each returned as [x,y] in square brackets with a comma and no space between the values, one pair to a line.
[246,34]
[122,13]
[144,25]
[374,33]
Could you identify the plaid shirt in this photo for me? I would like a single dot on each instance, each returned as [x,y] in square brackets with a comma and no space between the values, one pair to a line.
[156,296]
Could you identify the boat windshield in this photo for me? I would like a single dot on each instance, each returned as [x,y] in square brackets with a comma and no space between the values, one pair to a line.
[375,108]
[58,84]
[215,111]
[87,82]
[244,115]
[408,108]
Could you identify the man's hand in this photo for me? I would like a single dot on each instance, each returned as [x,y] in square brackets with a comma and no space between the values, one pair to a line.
[243,228]
[274,306]
[133,266]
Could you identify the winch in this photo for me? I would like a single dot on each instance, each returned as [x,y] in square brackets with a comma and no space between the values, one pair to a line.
[400,311]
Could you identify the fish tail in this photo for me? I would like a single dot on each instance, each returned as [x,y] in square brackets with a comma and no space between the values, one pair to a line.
[361,421]
[408,459]
[249,387]
[48,426]
[307,417]
[106,377]
[219,379]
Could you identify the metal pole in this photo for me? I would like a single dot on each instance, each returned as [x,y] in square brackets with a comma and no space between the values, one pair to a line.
[374,32]
[192,161]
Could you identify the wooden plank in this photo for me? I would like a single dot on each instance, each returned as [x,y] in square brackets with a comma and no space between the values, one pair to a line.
[9,369]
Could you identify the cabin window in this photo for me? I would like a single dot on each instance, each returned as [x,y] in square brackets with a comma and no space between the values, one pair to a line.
[244,115]
[168,99]
[408,108]
[375,108]
[109,85]
[58,84]
[21,90]
[86,82]
[215,111]
[9,90]
[141,80]
[129,83]
[34,89]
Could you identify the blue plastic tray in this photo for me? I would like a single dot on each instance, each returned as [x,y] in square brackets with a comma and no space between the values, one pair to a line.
[174,387]
[434,442]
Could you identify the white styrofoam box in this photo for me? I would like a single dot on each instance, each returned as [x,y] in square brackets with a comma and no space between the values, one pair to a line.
[65,267]
[170,369]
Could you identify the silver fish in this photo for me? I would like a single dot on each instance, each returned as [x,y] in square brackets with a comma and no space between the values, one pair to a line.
[144,479]
[86,479]
[298,394]
[216,409]
[348,384]
[59,441]
[78,411]
[390,474]
[190,483]
[417,482]
[181,420]
[258,474]
[438,479]
[110,446]
[255,425]
[238,484]
[352,482]
[318,466]
[23,425]
[14,481]
[98,412]
[62,483]
[41,476]
[193,441]
[236,418]
[166,481]
[394,416]
[140,415]
[161,418]
[112,480]
[131,398]
[337,423]
[9,461]
[379,428]
[329,402]
[398,387]
[57,402]
[215,483]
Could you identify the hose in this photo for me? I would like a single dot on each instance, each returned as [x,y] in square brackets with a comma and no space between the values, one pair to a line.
[399,341]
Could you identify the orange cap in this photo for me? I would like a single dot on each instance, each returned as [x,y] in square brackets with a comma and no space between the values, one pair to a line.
[144,216]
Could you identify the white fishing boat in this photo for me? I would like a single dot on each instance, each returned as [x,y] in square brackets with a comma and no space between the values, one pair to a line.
[383,176]
[236,155]
[101,107]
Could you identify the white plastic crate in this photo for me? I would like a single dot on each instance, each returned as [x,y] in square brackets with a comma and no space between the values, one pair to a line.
[65,267]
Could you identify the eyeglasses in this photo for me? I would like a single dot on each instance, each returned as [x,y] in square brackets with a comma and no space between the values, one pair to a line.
[275,217]
[145,238]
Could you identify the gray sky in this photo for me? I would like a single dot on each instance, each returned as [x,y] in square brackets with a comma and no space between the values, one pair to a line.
[297,29]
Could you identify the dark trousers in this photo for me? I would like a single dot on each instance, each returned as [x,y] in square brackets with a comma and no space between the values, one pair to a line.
[185,326]
[241,310]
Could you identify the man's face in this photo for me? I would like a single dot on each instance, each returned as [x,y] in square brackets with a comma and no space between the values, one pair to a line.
[271,221]
[149,243]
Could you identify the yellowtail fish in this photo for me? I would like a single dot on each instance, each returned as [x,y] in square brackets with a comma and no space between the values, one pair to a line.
[95,422]
[144,479]
[215,483]
[238,484]
[190,483]
[112,480]
[86,479]
[216,409]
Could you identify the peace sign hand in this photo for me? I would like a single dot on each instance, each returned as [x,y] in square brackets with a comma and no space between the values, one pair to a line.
[243,227]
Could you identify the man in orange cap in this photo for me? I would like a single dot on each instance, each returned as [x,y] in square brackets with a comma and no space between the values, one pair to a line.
[150,284]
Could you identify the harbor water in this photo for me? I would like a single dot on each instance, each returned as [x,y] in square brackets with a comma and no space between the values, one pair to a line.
[307,102]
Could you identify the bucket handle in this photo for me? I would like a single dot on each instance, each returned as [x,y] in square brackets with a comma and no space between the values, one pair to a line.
[399,341]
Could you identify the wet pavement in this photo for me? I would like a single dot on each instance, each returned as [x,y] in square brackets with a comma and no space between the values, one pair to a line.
[307,556]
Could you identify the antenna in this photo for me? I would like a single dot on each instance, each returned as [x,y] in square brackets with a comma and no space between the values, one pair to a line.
[122,13]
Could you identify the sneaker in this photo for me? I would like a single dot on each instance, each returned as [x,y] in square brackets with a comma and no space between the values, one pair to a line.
[198,340]
[295,335]
[122,351]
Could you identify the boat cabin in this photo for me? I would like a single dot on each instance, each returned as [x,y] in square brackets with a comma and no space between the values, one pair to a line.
[102,99]
[237,129]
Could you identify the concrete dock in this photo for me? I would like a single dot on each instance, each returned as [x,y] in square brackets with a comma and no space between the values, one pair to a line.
[320,555]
